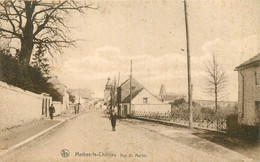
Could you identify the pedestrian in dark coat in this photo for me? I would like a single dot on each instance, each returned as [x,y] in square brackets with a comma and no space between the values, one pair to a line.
[51,111]
[75,109]
[113,118]
[78,108]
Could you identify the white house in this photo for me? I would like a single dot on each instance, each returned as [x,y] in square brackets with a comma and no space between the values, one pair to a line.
[142,100]
[249,92]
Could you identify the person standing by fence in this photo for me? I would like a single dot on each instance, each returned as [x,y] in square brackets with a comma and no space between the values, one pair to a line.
[51,111]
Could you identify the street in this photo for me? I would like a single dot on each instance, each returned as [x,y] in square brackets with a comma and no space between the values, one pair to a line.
[89,137]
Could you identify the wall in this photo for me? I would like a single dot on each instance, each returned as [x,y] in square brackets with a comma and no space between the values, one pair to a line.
[152,108]
[58,107]
[251,95]
[46,102]
[151,98]
[18,106]
[65,101]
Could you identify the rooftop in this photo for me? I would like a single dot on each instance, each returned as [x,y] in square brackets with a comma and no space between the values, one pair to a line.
[251,61]
[135,93]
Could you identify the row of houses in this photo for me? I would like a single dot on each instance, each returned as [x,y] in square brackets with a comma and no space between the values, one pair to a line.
[143,100]
[83,97]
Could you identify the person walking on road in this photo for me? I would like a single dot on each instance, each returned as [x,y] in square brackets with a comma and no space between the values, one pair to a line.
[78,108]
[113,118]
[51,111]
[75,109]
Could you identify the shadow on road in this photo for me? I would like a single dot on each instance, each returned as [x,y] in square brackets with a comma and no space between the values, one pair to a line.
[248,148]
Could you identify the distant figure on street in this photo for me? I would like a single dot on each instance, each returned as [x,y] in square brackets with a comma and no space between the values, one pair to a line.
[113,118]
[78,108]
[75,109]
[51,111]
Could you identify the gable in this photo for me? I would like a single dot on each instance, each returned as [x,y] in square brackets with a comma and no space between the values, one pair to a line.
[151,99]
[128,98]
[125,88]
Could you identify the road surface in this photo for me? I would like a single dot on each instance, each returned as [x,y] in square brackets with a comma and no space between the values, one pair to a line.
[88,137]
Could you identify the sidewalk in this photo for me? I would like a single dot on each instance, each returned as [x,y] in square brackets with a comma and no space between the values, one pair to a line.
[17,136]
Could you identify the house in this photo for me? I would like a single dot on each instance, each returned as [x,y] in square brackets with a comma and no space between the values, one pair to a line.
[98,103]
[142,99]
[62,89]
[84,97]
[169,97]
[249,91]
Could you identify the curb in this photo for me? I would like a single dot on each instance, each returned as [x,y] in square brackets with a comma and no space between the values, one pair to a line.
[34,137]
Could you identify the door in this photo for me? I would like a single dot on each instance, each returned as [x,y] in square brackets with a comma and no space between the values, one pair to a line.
[119,110]
[125,110]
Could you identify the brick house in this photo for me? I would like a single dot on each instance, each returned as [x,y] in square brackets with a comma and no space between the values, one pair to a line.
[249,92]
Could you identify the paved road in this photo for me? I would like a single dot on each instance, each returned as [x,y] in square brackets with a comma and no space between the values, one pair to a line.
[89,138]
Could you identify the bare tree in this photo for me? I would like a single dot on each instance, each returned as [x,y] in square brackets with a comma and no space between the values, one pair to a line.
[38,22]
[216,80]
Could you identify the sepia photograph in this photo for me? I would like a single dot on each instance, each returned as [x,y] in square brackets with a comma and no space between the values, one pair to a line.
[129,80]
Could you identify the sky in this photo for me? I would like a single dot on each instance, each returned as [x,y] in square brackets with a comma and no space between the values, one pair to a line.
[152,34]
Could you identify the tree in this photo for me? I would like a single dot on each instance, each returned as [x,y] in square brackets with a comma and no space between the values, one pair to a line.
[216,80]
[38,22]
[41,62]
[71,97]
[29,78]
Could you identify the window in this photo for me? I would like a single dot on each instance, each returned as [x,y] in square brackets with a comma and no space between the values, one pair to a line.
[145,100]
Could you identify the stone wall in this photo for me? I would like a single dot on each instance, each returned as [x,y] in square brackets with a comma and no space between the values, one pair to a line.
[18,106]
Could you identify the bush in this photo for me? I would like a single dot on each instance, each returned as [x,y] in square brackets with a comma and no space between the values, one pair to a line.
[26,77]
[178,102]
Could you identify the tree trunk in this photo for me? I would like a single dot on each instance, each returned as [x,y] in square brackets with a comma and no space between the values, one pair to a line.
[26,51]
[216,98]
[27,40]
[216,105]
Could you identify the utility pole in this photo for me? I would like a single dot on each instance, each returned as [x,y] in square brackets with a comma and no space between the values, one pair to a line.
[118,81]
[130,106]
[79,94]
[188,67]
[118,95]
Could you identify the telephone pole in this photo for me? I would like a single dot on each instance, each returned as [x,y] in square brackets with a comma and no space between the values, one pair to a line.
[79,93]
[130,106]
[188,67]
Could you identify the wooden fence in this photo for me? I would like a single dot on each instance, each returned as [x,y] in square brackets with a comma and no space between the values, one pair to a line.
[204,121]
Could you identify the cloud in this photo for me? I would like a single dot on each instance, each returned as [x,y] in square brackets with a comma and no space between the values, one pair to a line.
[170,69]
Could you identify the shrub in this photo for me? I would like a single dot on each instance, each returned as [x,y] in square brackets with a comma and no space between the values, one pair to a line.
[26,77]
